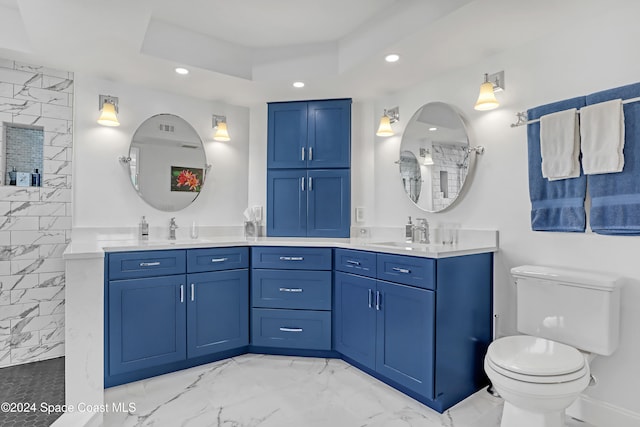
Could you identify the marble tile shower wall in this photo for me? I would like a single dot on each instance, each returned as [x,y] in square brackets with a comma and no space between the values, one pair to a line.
[35,226]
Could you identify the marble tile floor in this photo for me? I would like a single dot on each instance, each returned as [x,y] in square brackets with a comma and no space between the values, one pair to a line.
[283,391]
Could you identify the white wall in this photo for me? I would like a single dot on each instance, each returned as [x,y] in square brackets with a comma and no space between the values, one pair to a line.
[588,56]
[103,194]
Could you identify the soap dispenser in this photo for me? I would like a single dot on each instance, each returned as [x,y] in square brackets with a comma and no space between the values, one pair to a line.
[408,231]
[144,229]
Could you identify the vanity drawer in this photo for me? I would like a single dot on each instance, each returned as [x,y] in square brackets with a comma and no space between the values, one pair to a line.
[310,290]
[291,329]
[291,258]
[414,271]
[355,262]
[201,260]
[133,265]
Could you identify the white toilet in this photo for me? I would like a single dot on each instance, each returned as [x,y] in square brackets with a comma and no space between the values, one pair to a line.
[568,316]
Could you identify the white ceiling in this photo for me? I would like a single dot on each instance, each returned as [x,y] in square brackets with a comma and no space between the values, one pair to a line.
[250,51]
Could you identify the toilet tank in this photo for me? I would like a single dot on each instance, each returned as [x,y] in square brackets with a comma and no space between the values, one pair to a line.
[575,307]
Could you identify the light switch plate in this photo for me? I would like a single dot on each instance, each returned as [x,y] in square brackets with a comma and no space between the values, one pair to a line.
[360,214]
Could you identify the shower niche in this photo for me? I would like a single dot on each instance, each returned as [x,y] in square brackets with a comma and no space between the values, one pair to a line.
[22,155]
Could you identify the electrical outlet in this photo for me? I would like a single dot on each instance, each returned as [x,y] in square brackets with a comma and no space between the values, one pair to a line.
[360,215]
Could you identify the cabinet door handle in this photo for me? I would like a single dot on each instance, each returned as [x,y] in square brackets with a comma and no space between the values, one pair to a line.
[291,258]
[193,292]
[283,329]
[310,184]
[302,183]
[402,270]
[302,154]
[353,262]
[310,153]
[291,290]
[219,259]
[370,298]
[181,293]
[149,264]
[378,300]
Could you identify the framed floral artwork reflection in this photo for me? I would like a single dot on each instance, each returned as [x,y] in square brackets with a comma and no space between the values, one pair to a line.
[186,179]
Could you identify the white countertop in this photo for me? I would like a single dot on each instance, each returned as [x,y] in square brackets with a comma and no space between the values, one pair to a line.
[95,245]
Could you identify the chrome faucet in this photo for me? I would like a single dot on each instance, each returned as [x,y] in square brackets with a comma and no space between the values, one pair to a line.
[422,229]
[172,228]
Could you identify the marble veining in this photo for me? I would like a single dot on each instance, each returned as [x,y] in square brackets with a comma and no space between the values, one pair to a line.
[36,222]
[282,391]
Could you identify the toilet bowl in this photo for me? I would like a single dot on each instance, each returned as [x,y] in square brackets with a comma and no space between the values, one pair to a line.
[537,378]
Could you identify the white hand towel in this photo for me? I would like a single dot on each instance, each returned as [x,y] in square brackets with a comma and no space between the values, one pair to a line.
[560,145]
[602,133]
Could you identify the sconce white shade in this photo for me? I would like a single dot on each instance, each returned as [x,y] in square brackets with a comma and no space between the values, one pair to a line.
[108,115]
[385,127]
[221,132]
[486,98]
[428,160]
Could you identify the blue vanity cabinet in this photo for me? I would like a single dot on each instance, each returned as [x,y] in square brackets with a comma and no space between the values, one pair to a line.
[355,318]
[422,325]
[173,309]
[309,134]
[217,312]
[291,299]
[405,330]
[146,322]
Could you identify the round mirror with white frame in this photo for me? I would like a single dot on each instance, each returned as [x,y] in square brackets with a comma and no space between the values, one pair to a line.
[167,162]
[435,149]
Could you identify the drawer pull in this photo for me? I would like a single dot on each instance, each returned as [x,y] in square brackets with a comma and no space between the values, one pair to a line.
[370,298]
[181,293]
[378,300]
[149,264]
[291,329]
[290,289]
[402,270]
[302,154]
[353,262]
[193,292]
[219,259]
[291,258]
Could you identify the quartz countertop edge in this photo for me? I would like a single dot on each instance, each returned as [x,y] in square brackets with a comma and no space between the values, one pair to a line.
[88,249]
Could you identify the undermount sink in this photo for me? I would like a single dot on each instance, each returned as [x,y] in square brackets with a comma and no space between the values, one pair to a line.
[410,246]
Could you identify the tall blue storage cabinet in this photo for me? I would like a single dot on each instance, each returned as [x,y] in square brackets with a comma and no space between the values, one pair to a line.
[308,176]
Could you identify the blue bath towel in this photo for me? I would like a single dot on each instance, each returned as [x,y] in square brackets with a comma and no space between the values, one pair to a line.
[555,205]
[615,197]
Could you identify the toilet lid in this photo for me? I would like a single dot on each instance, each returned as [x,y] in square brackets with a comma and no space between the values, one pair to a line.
[535,356]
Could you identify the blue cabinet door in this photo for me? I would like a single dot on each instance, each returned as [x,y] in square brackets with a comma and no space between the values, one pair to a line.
[146,323]
[355,318]
[217,311]
[287,203]
[287,135]
[329,134]
[329,203]
[405,336]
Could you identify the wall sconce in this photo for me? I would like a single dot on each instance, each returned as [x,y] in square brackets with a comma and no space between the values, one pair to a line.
[428,159]
[108,106]
[220,125]
[389,116]
[487,98]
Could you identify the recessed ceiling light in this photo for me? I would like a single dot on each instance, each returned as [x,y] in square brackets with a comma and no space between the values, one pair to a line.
[433,128]
[181,70]
[298,84]
[392,57]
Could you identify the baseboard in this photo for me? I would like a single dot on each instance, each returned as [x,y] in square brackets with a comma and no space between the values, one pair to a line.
[602,414]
